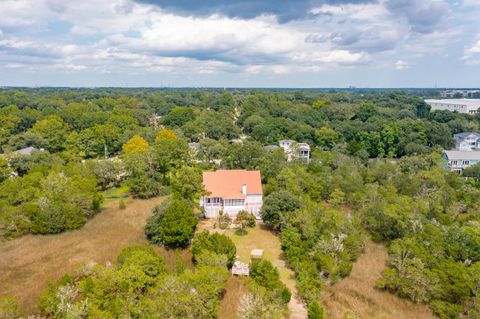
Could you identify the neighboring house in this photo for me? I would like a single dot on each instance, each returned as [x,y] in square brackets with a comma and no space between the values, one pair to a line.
[468,106]
[24,151]
[467,141]
[295,150]
[457,161]
[231,191]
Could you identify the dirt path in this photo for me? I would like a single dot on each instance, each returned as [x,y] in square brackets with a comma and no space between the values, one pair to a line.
[356,297]
[261,238]
[27,264]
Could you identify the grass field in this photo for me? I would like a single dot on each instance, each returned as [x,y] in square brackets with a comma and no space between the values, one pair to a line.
[355,297]
[28,263]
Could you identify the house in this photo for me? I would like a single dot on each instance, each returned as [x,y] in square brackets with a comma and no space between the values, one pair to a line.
[468,106]
[24,151]
[457,160]
[295,150]
[467,141]
[232,191]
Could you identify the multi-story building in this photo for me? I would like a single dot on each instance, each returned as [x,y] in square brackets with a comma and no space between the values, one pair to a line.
[467,141]
[232,191]
[468,106]
[295,150]
[457,161]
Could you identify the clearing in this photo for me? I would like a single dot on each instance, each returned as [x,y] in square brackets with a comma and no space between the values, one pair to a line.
[356,297]
[259,237]
[28,263]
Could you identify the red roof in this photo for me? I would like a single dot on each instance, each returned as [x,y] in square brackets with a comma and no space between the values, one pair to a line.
[228,183]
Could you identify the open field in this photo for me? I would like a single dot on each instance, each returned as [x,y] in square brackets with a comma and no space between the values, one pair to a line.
[262,238]
[28,263]
[355,297]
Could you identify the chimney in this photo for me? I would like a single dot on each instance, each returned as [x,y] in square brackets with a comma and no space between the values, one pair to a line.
[244,189]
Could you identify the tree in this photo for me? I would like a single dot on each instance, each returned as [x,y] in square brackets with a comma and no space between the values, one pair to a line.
[186,183]
[5,171]
[216,243]
[135,145]
[53,130]
[276,206]
[241,220]
[169,152]
[166,134]
[224,220]
[178,116]
[171,226]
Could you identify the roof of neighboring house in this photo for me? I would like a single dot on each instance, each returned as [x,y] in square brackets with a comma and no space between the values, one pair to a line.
[463,155]
[24,151]
[228,183]
[466,134]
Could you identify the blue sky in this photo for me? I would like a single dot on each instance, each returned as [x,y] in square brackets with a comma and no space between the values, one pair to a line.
[250,43]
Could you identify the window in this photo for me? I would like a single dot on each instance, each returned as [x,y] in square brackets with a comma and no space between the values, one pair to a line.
[234,202]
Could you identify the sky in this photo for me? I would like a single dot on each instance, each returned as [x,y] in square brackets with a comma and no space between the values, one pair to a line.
[249,43]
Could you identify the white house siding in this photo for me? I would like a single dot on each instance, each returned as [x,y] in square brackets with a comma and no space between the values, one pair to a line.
[252,204]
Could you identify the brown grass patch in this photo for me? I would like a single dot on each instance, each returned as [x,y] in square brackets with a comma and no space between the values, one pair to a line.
[356,296]
[27,264]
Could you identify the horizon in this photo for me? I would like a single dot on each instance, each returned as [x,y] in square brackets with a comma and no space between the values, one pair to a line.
[240,44]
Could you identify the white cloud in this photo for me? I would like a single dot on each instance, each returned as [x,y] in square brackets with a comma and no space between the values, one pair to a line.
[401,65]
[472,54]
[109,36]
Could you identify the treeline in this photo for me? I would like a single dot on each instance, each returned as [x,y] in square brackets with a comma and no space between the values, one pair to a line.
[96,123]
[428,217]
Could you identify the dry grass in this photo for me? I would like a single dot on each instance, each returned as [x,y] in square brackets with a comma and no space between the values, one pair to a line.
[235,289]
[27,264]
[356,297]
[262,238]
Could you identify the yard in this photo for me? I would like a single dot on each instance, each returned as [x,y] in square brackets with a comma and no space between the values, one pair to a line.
[28,263]
[262,238]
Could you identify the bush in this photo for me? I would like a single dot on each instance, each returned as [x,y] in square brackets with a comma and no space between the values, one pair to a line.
[9,308]
[224,220]
[276,206]
[314,310]
[267,276]
[216,243]
[252,221]
[172,225]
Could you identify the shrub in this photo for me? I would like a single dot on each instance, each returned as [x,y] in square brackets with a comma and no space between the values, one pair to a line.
[267,276]
[216,243]
[224,220]
[314,310]
[171,225]
[276,206]
[252,221]
[9,308]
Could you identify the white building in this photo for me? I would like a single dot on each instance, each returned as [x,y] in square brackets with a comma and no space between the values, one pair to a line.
[467,141]
[232,191]
[295,150]
[457,161]
[468,106]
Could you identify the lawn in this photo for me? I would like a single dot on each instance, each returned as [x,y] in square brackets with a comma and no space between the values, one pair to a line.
[28,263]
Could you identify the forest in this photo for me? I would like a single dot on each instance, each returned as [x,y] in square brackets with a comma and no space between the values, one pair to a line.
[376,172]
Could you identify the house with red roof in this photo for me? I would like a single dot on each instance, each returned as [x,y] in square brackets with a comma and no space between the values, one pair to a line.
[231,191]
